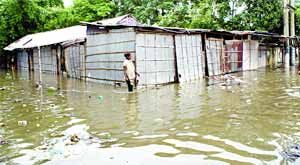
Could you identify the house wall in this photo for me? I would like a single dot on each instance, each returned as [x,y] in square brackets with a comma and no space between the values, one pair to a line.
[74,60]
[48,59]
[235,55]
[275,55]
[263,52]
[214,54]
[189,57]
[250,55]
[105,54]
[22,60]
[155,58]
[3,61]
[233,60]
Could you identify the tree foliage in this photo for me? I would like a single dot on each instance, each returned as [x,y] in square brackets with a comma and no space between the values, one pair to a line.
[262,15]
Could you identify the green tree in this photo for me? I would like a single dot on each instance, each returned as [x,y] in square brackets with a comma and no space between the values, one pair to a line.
[262,15]
[147,11]
[91,10]
[297,18]
[22,17]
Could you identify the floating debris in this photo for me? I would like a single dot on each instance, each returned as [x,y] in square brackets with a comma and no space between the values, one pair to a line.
[158,120]
[2,125]
[292,153]
[51,89]
[105,135]
[100,98]
[18,100]
[22,123]
[69,109]
[43,147]
[248,101]
[2,141]
[74,138]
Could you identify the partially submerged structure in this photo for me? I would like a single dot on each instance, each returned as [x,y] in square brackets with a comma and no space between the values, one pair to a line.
[167,55]
[161,55]
[95,51]
[58,51]
[51,46]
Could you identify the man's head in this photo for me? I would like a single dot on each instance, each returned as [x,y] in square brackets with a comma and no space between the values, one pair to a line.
[127,56]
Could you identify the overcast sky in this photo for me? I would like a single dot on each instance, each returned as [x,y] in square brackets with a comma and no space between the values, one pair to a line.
[68,2]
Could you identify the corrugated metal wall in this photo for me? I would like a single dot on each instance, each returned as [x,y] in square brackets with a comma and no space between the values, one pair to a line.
[233,59]
[274,57]
[74,56]
[189,57]
[48,59]
[250,55]
[22,60]
[278,54]
[214,53]
[105,54]
[262,57]
[155,58]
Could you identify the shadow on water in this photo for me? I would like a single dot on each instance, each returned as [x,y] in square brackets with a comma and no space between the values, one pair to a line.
[72,122]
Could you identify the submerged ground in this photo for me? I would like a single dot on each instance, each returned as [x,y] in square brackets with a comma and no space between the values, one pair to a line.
[194,123]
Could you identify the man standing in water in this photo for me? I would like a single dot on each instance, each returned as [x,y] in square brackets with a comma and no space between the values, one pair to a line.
[130,74]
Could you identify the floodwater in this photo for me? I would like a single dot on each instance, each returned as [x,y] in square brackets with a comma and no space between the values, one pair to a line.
[198,122]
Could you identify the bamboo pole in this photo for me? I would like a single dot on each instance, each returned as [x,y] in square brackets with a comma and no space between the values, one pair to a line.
[175,62]
[292,31]
[40,66]
[286,33]
[204,37]
[84,59]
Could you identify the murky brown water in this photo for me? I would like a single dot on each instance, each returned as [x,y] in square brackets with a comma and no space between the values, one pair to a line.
[190,123]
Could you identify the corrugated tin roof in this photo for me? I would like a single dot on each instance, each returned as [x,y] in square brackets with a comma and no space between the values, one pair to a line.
[118,20]
[146,27]
[65,35]
[186,31]
[49,38]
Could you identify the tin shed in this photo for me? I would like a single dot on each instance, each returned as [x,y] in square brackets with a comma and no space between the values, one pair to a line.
[61,50]
[22,60]
[48,45]
[161,55]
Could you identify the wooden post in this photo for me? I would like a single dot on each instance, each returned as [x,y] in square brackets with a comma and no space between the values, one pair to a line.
[66,59]
[28,60]
[84,60]
[204,37]
[79,62]
[31,60]
[40,66]
[175,57]
[58,62]
[223,55]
